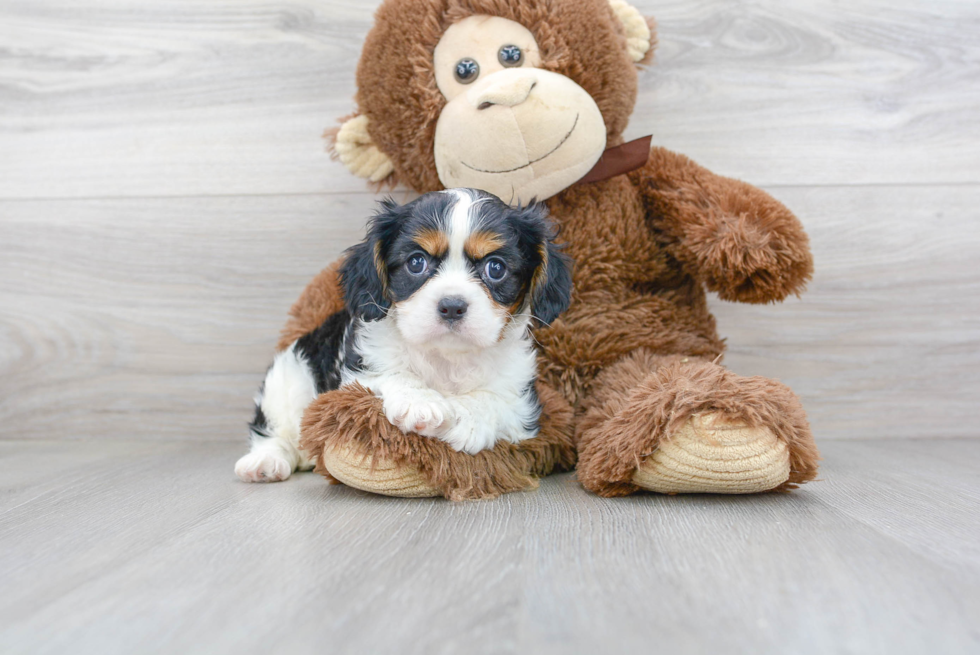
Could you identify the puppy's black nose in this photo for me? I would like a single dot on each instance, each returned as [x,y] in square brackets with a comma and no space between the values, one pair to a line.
[452,308]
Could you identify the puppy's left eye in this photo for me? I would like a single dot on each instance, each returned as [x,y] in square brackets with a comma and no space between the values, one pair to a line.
[495,269]
[417,264]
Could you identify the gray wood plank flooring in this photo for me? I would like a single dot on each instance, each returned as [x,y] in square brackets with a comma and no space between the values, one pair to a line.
[135,547]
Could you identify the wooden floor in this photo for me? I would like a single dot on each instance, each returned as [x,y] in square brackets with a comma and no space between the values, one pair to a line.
[164,197]
[150,547]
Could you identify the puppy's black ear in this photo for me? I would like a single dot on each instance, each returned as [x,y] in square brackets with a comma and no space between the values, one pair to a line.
[364,288]
[551,286]
[364,273]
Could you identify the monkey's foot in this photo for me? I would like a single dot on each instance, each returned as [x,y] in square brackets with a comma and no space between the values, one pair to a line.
[711,454]
[356,468]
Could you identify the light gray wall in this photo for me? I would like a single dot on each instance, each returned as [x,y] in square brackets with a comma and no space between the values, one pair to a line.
[165,195]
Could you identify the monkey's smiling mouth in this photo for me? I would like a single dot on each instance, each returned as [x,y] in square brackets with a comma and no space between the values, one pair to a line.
[533,161]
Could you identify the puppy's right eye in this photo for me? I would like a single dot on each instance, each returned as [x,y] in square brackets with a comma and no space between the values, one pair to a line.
[417,264]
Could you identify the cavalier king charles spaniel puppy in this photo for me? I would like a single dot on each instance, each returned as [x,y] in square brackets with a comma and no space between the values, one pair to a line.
[440,300]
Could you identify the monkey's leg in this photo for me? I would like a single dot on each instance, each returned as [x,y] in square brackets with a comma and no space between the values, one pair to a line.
[678,424]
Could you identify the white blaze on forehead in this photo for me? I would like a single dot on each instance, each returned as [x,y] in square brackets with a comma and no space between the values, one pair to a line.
[461,225]
[459,222]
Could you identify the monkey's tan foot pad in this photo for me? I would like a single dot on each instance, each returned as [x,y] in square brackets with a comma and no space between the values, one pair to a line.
[711,454]
[381,476]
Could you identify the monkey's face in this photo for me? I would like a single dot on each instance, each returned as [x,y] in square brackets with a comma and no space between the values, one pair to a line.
[510,127]
[516,97]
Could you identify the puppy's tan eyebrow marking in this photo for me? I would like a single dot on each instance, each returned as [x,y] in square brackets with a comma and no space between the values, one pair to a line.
[480,244]
[434,242]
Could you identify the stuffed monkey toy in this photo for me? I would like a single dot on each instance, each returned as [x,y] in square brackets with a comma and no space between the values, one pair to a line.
[528,99]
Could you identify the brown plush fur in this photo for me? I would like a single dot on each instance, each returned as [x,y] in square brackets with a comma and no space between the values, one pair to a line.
[354,416]
[320,299]
[734,238]
[634,353]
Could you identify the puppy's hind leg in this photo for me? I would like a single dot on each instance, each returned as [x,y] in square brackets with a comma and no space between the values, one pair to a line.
[288,388]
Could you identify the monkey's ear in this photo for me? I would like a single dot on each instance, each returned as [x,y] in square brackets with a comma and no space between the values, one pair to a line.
[353,146]
[641,38]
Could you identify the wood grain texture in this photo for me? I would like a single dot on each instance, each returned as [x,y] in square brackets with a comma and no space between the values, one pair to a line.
[133,547]
[804,92]
[164,197]
[107,98]
[155,318]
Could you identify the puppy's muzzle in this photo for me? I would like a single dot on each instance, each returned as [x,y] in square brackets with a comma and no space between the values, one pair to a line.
[452,308]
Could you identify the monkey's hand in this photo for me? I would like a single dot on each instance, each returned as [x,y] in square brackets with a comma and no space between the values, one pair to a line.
[738,240]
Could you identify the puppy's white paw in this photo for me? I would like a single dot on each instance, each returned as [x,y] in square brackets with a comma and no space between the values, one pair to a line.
[421,411]
[470,435]
[263,466]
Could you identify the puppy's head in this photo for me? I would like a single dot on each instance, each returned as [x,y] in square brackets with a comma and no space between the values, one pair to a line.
[455,268]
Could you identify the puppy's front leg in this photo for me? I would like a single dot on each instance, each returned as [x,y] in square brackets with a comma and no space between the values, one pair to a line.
[485,417]
[412,407]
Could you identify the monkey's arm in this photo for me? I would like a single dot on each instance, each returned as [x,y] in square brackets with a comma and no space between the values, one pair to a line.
[737,239]
[321,298]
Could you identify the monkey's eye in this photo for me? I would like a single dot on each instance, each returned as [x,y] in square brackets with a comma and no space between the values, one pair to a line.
[417,264]
[467,70]
[510,56]
[495,269]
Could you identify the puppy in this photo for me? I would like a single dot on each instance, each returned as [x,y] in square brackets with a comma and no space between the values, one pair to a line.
[440,301]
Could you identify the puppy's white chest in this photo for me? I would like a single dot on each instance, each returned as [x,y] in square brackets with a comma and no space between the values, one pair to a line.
[470,400]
